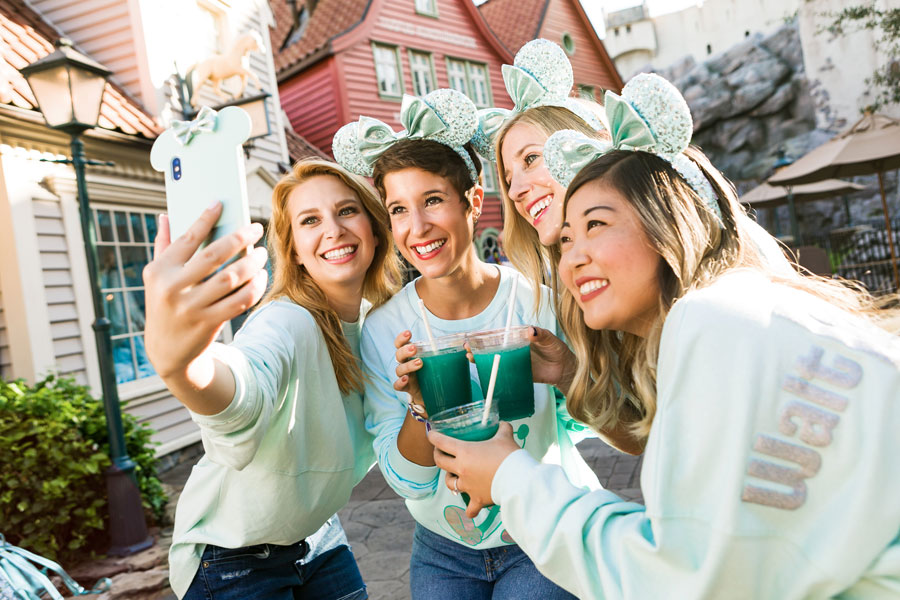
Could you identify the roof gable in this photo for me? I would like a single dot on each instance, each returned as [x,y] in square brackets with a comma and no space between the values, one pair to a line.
[514,22]
[26,38]
[329,19]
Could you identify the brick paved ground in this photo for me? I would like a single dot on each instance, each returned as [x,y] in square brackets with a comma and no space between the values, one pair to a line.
[376,521]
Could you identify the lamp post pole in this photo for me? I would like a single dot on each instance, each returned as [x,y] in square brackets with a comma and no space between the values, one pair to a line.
[127,526]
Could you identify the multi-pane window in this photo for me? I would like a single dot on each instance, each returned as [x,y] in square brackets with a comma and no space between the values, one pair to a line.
[489,175]
[586,91]
[387,70]
[124,246]
[426,7]
[456,74]
[478,80]
[422,72]
[471,79]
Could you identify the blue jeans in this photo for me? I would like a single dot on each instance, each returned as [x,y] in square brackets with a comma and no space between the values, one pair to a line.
[322,568]
[443,569]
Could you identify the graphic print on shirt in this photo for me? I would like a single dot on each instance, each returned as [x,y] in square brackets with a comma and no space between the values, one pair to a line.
[465,528]
[803,415]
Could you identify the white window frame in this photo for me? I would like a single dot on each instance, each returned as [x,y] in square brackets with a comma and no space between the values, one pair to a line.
[486,101]
[469,68]
[379,65]
[126,290]
[422,74]
[462,76]
[489,176]
[426,7]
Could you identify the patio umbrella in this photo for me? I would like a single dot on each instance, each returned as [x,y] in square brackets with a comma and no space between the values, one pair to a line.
[769,196]
[871,145]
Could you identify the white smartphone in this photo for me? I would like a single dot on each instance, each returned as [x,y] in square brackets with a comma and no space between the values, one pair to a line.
[209,167]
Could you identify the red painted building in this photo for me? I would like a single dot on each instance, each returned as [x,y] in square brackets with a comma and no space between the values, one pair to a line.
[516,22]
[338,59]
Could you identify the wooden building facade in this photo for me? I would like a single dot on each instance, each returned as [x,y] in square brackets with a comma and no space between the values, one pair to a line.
[46,309]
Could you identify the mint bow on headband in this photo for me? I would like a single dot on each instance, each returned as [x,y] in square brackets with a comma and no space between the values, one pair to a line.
[650,116]
[445,116]
[541,75]
[204,122]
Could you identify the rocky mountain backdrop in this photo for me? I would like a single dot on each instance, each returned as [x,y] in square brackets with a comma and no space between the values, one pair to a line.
[755,99]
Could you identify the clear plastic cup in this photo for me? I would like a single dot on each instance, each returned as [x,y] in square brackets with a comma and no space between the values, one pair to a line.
[514,388]
[444,378]
[465,423]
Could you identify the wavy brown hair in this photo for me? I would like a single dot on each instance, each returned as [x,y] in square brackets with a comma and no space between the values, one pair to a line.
[615,380]
[292,281]
[520,240]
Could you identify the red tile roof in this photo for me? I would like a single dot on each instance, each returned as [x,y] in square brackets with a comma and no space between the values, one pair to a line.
[299,148]
[26,37]
[514,22]
[329,19]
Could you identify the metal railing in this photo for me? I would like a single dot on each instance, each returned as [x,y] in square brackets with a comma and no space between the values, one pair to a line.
[861,252]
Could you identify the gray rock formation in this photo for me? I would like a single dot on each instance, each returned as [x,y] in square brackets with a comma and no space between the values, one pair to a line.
[753,100]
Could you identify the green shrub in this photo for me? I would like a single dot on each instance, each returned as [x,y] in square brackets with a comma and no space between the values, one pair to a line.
[54,450]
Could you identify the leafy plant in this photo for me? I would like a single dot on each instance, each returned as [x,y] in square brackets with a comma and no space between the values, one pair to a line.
[885,79]
[54,448]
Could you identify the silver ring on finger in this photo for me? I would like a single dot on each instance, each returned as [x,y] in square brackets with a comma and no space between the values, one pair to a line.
[456,486]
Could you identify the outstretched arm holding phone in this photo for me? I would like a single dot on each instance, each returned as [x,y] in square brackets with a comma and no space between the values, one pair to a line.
[188,303]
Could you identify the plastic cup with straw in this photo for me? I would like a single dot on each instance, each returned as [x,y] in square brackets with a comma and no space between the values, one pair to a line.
[495,366]
[444,378]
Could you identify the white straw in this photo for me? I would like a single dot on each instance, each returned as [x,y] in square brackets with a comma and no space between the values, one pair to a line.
[427,326]
[490,393]
[512,305]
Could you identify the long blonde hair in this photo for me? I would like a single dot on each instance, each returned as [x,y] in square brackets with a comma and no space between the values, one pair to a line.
[615,380]
[520,240]
[292,281]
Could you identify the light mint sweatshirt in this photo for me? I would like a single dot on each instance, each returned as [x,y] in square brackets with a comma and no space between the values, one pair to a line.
[285,454]
[772,469]
[549,435]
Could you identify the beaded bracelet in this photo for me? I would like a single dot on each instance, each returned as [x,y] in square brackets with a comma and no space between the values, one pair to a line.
[416,411]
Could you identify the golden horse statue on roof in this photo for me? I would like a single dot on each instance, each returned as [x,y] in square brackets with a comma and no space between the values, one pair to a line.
[219,67]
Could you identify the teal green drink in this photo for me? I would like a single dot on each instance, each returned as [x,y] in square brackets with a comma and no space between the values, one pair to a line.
[514,388]
[467,423]
[444,377]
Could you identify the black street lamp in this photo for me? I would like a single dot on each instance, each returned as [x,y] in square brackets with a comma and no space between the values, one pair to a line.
[68,88]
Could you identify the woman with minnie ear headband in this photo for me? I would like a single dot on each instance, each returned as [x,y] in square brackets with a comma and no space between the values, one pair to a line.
[428,180]
[280,408]
[539,82]
[769,401]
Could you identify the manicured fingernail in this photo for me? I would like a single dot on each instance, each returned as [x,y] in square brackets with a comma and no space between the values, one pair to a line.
[213,204]
[419,362]
[534,331]
[427,426]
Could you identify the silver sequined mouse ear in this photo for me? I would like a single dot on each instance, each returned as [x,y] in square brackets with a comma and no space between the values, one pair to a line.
[663,108]
[345,147]
[548,63]
[566,152]
[490,121]
[457,112]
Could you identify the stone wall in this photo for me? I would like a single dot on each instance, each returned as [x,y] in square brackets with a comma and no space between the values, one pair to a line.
[755,99]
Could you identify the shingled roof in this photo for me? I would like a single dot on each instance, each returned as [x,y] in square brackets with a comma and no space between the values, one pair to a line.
[27,37]
[327,20]
[514,22]
[300,148]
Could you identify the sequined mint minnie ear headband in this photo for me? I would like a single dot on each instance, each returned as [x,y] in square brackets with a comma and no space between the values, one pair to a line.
[540,75]
[445,116]
[650,116]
